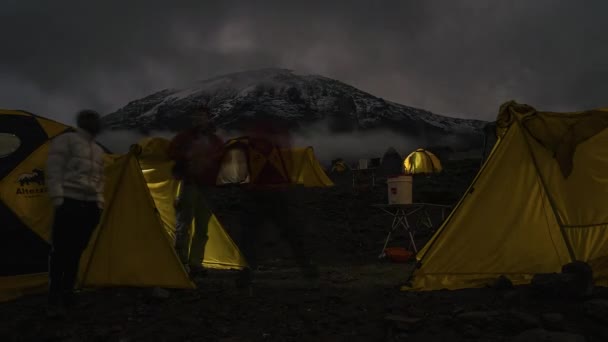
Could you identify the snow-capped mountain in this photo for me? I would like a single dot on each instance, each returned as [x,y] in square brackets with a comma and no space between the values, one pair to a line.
[234,100]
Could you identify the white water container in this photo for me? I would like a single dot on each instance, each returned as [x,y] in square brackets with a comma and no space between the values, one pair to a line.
[399,189]
[363,164]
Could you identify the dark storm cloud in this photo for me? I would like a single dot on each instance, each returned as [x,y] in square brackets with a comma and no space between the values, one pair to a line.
[460,58]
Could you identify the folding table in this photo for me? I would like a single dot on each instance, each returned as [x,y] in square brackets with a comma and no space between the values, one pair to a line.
[400,214]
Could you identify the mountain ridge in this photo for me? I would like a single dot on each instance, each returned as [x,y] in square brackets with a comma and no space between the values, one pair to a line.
[237,99]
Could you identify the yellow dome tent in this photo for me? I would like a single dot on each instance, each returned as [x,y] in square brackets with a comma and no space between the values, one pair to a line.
[132,245]
[539,202]
[421,161]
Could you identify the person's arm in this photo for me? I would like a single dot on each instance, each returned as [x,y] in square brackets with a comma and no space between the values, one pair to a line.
[58,155]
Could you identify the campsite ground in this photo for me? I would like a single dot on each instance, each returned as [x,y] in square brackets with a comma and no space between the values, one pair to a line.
[356,298]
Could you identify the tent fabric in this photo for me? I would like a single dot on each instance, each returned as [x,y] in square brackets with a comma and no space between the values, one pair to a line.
[558,132]
[132,246]
[521,216]
[25,209]
[265,162]
[304,168]
[221,251]
[268,164]
[421,161]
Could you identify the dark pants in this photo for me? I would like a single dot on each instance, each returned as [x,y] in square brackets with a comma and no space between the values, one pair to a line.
[75,221]
[191,205]
[260,206]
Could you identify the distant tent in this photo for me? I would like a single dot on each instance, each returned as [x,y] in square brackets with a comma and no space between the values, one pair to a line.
[422,161]
[539,202]
[338,166]
[392,163]
[258,161]
[304,168]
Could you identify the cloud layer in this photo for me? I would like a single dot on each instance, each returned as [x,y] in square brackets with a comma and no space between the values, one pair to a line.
[460,58]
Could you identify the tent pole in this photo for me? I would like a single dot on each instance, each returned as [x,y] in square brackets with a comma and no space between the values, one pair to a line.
[455,207]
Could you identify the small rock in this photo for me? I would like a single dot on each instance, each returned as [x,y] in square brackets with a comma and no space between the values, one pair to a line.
[576,280]
[403,322]
[470,331]
[478,318]
[526,320]
[513,295]
[597,309]
[584,280]
[553,319]
[458,310]
[536,335]
[160,293]
[502,283]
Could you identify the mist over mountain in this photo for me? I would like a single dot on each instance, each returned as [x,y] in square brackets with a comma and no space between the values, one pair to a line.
[320,111]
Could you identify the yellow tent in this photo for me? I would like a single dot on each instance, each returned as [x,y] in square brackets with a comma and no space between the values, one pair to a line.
[304,168]
[421,161]
[257,161]
[132,246]
[221,251]
[540,201]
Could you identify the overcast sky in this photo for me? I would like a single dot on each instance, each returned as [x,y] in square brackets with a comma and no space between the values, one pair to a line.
[453,57]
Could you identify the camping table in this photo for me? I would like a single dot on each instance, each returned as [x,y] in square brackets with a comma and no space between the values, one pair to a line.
[400,214]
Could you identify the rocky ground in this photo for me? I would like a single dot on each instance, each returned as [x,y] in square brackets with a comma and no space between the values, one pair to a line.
[356,298]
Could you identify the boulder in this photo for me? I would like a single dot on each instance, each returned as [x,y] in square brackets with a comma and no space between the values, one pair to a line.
[583,286]
[597,309]
[536,335]
[575,281]
[502,283]
[553,320]
[502,320]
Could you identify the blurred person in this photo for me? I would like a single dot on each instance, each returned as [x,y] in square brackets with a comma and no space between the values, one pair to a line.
[75,180]
[270,201]
[195,152]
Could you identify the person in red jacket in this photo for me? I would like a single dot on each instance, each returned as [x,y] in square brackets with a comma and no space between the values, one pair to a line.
[270,199]
[196,152]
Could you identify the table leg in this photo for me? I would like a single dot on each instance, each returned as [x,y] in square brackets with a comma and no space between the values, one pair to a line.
[406,225]
[388,237]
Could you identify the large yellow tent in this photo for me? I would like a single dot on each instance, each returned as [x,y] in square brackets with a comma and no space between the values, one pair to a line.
[540,201]
[133,245]
[421,161]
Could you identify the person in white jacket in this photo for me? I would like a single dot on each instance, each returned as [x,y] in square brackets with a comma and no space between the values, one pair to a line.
[75,180]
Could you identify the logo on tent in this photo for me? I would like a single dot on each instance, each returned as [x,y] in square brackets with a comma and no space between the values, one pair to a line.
[31,183]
